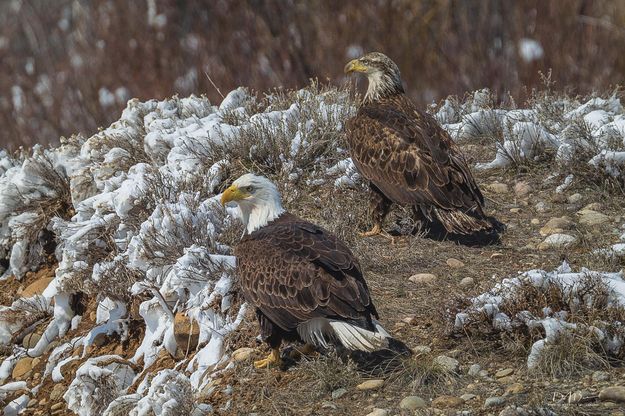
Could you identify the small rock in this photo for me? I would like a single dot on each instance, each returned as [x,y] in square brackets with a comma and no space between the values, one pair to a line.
[557,241]
[599,376]
[370,385]
[515,210]
[474,370]
[494,401]
[448,363]
[542,207]
[31,340]
[423,278]
[556,225]
[467,282]
[56,406]
[558,198]
[447,402]
[242,354]
[614,394]
[575,198]
[535,221]
[468,396]
[412,403]
[32,403]
[506,380]
[100,339]
[504,373]
[186,332]
[591,218]
[22,368]
[422,349]
[378,412]
[522,189]
[57,392]
[515,388]
[338,393]
[594,206]
[497,188]
[483,373]
[454,263]
[37,287]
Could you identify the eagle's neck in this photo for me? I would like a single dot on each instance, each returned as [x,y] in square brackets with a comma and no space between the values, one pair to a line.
[258,215]
[382,85]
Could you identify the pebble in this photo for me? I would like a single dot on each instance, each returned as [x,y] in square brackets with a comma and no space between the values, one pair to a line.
[31,340]
[328,405]
[454,263]
[556,225]
[370,385]
[515,388]
[497,188]
[448,363]
[591,218]
[522,189]
[494,401]
[412,403]
[422,349]
[56,406]
[557,241]
[614,394]
[594,206]
[22,368]
[467,282]
[598,376]
[535,221]
[474,370]
[378,412]
[57,392]
[32,403]
[242,354]
[575,198]
[504,373]
[515,210]
[468,396]
[338,393]
[423,278]
[186,332]
[541,207]
[446,402]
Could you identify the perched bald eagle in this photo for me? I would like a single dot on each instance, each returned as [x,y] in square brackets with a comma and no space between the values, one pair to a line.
[410,159]
[306,284]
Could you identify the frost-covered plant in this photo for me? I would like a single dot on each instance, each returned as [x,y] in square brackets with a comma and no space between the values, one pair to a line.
[548,310]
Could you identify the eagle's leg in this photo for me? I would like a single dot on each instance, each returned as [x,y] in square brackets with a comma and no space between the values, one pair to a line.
[272,360]
[379,206]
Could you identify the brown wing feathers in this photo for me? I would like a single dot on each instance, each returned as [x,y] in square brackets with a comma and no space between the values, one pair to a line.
[293,271]
[413,161]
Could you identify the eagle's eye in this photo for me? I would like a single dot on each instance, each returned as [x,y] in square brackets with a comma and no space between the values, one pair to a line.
[249,189]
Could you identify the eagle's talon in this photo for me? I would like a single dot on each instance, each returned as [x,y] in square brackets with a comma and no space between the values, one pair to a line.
[272,360]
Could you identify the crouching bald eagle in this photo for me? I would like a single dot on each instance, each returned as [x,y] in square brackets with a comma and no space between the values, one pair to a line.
[410,159]
[306,284]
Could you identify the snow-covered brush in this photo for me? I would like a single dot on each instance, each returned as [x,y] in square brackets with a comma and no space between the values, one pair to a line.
[546,311]
[31,194]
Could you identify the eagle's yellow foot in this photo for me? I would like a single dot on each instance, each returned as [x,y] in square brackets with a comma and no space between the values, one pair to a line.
[272,360]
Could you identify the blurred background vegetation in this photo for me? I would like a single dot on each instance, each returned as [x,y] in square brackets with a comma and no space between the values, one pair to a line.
[69,66]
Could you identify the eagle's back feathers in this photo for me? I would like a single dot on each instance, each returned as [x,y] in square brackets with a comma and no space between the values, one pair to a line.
[412,160]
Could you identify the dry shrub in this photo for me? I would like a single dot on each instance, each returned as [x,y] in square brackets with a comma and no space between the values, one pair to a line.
[421,373]
[330,372]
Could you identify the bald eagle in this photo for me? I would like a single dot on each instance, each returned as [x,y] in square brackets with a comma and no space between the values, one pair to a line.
[409,159]
[305,284]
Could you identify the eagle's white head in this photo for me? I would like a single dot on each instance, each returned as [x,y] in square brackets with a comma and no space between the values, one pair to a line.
[382,73]
[258,199]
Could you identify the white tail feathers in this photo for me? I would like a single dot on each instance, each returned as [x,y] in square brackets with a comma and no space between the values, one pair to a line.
[356,338]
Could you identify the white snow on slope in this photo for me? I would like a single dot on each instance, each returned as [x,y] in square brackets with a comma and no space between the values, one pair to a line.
[145,220]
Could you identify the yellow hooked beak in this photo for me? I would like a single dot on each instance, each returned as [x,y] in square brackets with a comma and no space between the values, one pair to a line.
[355,66]
[233,193]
